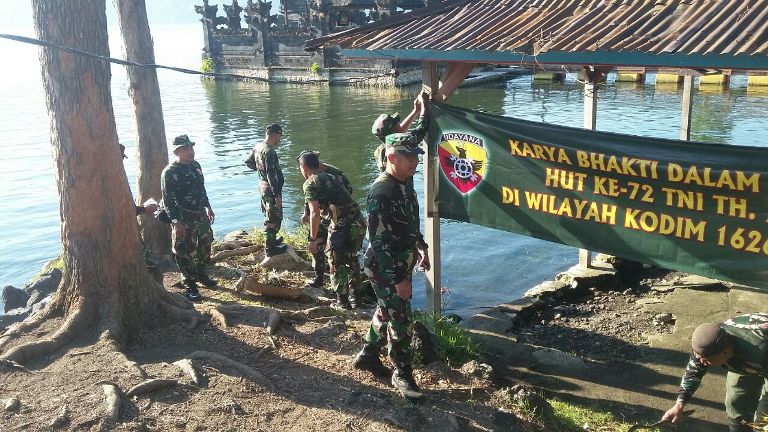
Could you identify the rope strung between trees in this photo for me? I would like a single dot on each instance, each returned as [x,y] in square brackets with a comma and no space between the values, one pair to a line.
[33,41]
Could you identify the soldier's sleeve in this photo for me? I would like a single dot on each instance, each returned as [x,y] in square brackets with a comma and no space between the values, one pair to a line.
[694,372]
[169,188]
[347,185]
[203,194]
[251,161]
[310,193]
[381,157]
[274,174]
[380,236]
[420,128]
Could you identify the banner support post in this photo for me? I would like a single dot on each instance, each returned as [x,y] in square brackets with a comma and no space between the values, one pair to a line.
[687,108]
[590,122]
[431,84]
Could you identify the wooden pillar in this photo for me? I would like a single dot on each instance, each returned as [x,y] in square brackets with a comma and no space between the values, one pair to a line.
[431,83]
[687,108]
[590,122]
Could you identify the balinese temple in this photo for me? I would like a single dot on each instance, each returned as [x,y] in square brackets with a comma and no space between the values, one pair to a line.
[249,40]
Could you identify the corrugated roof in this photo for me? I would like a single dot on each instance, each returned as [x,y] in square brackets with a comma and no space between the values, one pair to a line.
[700,32]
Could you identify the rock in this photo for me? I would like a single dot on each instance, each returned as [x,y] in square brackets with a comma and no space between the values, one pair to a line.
[583,279]
[548,289]
[649,301]
[476,369]
[506,421]
[368,400]
[11,405]
[236,235]
[13,316]
[538,405]
[406,417]
[556,360]
[423,343]
[46,284]
[12,298]
[663,288]
[286,261]
[665,318]
[701,283]
[41,304]
[627,291]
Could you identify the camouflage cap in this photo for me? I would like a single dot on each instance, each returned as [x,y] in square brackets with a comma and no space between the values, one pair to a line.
[182,141]
[384,125]
[403,143]
[275,128]
[709,339]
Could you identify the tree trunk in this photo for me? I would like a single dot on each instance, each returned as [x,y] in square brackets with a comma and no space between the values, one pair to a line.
[152,154]
[106,289]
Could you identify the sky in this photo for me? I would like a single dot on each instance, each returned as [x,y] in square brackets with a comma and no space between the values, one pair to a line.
[17,14]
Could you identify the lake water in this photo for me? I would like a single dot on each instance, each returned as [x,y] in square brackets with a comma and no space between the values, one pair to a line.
[482,267]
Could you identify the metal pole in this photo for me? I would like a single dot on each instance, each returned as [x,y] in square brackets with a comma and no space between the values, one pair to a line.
[687,108]
[431,83]
[590,122]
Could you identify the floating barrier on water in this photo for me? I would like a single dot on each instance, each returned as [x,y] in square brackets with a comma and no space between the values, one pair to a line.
[668,79]
[720,80]
[630,77]
[757,81]
[549,76]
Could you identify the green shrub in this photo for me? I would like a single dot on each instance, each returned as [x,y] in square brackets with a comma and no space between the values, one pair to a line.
[452,343]
[315,69]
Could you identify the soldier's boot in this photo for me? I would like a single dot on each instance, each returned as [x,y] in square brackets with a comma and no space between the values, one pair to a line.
[342,302]
[368,360]
[352,299]
[275,249]
[191,292]
[319,268]
[403,382]
[206,280]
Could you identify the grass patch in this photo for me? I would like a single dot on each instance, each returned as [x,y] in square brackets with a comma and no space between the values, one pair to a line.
[56,263]
[569,417]
[452,343]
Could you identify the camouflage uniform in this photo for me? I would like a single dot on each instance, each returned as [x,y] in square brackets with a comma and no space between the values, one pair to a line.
[185,200]
[345,233]
[418,131]
[394,235]
[746,385]
[264,160]
[319,259]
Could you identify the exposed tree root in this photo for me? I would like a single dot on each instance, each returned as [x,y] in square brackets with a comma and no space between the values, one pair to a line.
[9,364]
[311,314]
[72,327]
[218,256]
[26,326]
[112,400]
[187,366]
[226,361]
[108,339]
[261,353]
[150,386]
[240,284]
[214,313]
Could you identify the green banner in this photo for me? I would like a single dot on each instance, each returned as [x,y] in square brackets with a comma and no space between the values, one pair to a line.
[696,207]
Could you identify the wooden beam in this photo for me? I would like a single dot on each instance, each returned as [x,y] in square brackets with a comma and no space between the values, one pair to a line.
[430,84]
[687,108]
[455,74]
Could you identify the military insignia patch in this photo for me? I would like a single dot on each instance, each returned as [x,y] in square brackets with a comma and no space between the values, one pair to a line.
[463,159]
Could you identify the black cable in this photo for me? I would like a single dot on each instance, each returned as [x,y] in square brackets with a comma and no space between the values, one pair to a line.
[39,42]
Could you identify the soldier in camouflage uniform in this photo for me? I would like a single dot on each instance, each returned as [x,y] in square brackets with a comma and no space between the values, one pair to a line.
[263,159]
[327,198]
[389,124]
[319,259]
[187,204]
[739,345]
[396,246]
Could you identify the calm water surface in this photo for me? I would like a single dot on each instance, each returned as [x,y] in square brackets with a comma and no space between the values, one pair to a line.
[482,267]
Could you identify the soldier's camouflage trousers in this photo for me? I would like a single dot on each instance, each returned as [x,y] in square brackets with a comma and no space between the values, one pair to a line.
[318,260]
[193,251]
[341,250]
[746,398]
[390,324]
[273,216]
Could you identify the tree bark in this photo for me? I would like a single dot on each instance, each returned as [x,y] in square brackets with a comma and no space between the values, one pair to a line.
[152,150]
[106,290]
